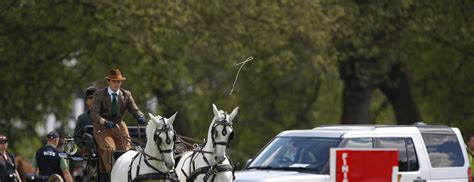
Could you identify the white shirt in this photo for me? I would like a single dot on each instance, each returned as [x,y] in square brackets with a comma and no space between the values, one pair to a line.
[111,92]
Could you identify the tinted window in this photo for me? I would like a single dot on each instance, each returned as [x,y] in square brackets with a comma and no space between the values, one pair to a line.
[412,157]
[407,160]
[443,149]
[359,143]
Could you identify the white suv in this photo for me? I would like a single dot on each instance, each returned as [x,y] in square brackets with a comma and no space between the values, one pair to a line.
[426,153]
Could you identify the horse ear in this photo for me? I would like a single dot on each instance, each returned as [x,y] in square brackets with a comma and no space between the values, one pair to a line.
[214,109]
[233,114]
[151,115]
[171,119]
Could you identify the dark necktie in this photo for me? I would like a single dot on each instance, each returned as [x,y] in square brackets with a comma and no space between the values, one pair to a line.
[114,104]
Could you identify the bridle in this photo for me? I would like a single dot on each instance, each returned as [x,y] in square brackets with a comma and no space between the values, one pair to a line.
[165,128]
[225,123]
[212,169]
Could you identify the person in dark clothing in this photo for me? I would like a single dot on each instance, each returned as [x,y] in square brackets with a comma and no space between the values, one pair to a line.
[48,160]
[85,118]
[8,170]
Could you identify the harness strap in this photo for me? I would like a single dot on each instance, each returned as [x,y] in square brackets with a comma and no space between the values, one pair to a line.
[183,165]
[154,168]
[195,173]
[209,170]
[130,167]
[150,157]
[221,143]
[233,167]
[192,167]
[138,166]
[205,160]
[156,176]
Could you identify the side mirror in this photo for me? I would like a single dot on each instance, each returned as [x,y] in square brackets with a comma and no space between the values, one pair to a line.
[247,163]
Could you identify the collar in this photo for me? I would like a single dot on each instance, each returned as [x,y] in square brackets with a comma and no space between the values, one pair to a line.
[110,91]
[50,145]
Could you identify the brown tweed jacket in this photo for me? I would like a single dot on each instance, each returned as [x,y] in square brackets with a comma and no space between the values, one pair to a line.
[101,110]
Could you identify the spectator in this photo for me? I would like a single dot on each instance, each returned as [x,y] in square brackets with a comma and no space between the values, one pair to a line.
[48,160]
[470,151]
[8,170]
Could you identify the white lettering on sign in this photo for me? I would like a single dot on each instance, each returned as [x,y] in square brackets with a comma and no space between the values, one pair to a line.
[345,167]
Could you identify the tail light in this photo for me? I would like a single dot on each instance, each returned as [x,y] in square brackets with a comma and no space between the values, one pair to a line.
[469,174]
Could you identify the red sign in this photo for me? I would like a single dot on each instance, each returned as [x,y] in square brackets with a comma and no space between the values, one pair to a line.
[364,165]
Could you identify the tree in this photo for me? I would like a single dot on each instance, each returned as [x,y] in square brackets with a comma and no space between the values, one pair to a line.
[367,38]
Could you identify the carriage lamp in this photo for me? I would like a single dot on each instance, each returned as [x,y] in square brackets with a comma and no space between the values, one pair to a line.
[70,146]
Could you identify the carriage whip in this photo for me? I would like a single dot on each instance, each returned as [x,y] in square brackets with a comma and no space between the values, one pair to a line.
[237,75]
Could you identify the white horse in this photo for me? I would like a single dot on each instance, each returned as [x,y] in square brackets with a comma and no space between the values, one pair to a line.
[156,160]
[210,163]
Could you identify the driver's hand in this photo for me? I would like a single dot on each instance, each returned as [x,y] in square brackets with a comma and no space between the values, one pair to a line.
[109,124]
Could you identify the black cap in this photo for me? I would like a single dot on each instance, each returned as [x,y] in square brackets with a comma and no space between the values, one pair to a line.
[90,91]
[52,135]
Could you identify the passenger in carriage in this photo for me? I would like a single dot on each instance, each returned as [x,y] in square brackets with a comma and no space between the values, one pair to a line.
[48,160]
[108,110]
[85,118]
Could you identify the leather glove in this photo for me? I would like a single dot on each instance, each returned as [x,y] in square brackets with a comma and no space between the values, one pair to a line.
[141,120]
[109,124]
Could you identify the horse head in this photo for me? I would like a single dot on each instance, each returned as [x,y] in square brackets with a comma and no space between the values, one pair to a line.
[163,137]
[221,132]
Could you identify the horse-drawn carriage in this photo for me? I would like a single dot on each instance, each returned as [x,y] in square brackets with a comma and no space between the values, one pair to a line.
[159,154]
[91,154]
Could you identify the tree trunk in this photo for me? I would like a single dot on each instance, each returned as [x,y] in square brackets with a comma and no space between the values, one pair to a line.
[357,94]
[398,91]
[356,103]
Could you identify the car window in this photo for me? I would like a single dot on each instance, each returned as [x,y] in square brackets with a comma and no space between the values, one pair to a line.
[443,149]
[412,164]
[295,152]
[407,160]
[365,142]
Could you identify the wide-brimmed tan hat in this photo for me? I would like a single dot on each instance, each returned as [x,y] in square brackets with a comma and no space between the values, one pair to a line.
[115,74]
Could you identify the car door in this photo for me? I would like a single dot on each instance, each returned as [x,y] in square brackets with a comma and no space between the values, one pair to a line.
[412,166]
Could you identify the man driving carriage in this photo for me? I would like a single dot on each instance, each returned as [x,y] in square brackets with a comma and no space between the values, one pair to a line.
[107,112]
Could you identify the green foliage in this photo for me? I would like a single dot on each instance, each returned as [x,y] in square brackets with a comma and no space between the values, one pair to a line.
[184,53]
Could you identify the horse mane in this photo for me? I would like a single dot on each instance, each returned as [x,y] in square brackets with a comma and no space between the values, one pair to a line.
[23,166]
[150,128]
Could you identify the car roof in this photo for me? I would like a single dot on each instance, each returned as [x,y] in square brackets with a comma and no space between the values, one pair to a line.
[337,131]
